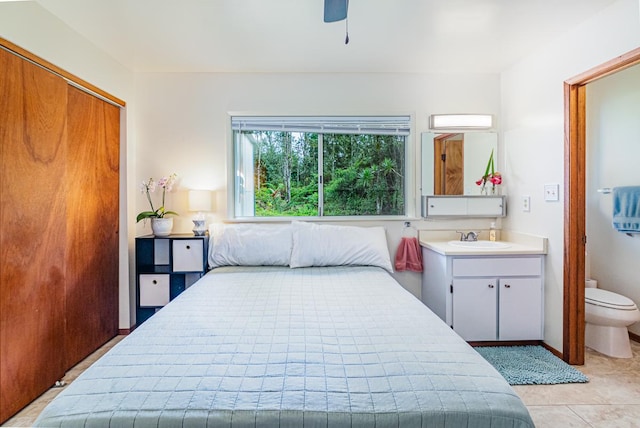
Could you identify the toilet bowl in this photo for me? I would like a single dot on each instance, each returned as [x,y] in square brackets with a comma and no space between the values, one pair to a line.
[607,316]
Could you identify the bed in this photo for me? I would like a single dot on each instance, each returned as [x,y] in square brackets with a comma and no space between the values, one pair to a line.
[263,346]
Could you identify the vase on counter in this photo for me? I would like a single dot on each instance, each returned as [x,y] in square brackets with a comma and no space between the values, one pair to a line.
[489,190]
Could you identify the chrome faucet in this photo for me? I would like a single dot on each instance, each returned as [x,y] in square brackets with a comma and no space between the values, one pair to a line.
[469,236]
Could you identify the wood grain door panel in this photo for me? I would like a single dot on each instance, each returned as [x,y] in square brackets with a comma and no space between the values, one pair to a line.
[454,171]
[448,164]
[32,231]
[92,224]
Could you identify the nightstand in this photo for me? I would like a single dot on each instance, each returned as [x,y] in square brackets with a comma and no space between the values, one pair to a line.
[165,267]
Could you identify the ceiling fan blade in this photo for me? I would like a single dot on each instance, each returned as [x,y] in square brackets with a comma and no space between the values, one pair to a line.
[335,10]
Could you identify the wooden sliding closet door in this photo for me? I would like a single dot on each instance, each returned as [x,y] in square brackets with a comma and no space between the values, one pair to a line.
[93,140]
[33,111]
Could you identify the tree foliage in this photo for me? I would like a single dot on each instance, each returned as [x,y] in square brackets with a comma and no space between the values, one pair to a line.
[362,174]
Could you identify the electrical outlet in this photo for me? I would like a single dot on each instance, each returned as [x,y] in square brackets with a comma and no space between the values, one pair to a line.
[526,203]
[551,192]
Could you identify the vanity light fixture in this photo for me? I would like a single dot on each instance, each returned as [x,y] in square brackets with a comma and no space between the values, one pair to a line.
[460,121]
[200,202]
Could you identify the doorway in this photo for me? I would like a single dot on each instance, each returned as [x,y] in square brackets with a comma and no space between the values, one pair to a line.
[574,205]
[448,163]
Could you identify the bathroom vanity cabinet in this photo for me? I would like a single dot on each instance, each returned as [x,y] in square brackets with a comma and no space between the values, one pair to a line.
[486,297]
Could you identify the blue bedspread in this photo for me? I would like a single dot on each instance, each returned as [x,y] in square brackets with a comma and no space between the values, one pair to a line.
[313,347]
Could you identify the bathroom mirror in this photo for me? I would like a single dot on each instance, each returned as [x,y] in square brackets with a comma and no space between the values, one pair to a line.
[453,162]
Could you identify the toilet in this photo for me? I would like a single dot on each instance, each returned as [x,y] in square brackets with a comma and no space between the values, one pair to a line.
[607,316]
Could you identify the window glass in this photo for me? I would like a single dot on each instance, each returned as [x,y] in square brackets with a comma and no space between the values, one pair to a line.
[363,174]
[293,172]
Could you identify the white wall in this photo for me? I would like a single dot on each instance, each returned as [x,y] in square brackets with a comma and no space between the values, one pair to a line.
[613,133]
[533,132]
[182,124]
[31,27]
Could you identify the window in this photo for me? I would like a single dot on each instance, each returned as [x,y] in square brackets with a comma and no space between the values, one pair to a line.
[319,166]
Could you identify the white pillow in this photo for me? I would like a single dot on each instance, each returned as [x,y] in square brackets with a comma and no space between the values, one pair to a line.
[329,245]
[250,245]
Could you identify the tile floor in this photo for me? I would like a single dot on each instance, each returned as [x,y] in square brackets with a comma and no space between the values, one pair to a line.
[610,399]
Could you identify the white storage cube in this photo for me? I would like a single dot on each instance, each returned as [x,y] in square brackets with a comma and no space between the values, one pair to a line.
[154,290]
[188,255]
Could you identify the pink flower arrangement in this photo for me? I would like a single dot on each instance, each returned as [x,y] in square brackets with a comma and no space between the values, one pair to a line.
[491,176]
[150,186]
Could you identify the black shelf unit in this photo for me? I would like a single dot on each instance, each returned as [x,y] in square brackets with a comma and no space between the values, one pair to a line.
[165,267]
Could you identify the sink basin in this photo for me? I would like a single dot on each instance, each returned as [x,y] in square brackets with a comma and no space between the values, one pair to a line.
[487,245]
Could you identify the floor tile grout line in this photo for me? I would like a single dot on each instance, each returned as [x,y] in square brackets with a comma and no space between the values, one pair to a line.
[580,416]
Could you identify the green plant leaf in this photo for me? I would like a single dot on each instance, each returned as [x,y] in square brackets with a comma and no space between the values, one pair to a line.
[146,214]
[489,166]
[493,171]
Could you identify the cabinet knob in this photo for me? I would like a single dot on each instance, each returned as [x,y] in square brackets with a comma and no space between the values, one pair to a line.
[155,281]
[507,286]
[491,285]
[188,247]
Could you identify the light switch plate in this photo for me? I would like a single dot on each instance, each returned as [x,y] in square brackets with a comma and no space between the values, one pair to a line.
[551,192]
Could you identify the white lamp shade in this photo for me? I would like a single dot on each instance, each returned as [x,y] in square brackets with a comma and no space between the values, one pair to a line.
[199,200]
[461,121]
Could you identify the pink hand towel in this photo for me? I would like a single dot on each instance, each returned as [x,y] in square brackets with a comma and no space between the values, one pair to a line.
[409,256]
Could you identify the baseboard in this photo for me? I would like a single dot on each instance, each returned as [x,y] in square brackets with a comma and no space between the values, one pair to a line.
[522,343]
[632,336]
[507,343]
[552,350]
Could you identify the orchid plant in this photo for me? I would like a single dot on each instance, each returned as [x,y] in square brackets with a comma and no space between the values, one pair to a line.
[150,186]
[491,176]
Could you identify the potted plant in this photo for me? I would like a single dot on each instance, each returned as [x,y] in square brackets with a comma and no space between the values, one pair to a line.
[160,224]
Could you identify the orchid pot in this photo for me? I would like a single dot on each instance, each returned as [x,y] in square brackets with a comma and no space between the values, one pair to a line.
[161,226]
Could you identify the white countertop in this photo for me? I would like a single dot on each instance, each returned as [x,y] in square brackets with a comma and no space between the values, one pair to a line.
[517,244]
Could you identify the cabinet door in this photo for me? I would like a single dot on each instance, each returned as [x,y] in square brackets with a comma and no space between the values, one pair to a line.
[520,309]
[188,255]
[33,103]
[91,287]
[487,206]
[446,206]
[475,308]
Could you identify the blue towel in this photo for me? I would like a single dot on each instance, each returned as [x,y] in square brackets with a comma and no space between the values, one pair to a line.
[626,209]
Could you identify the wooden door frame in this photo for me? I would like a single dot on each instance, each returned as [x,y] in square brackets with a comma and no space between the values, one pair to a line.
[575,238]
